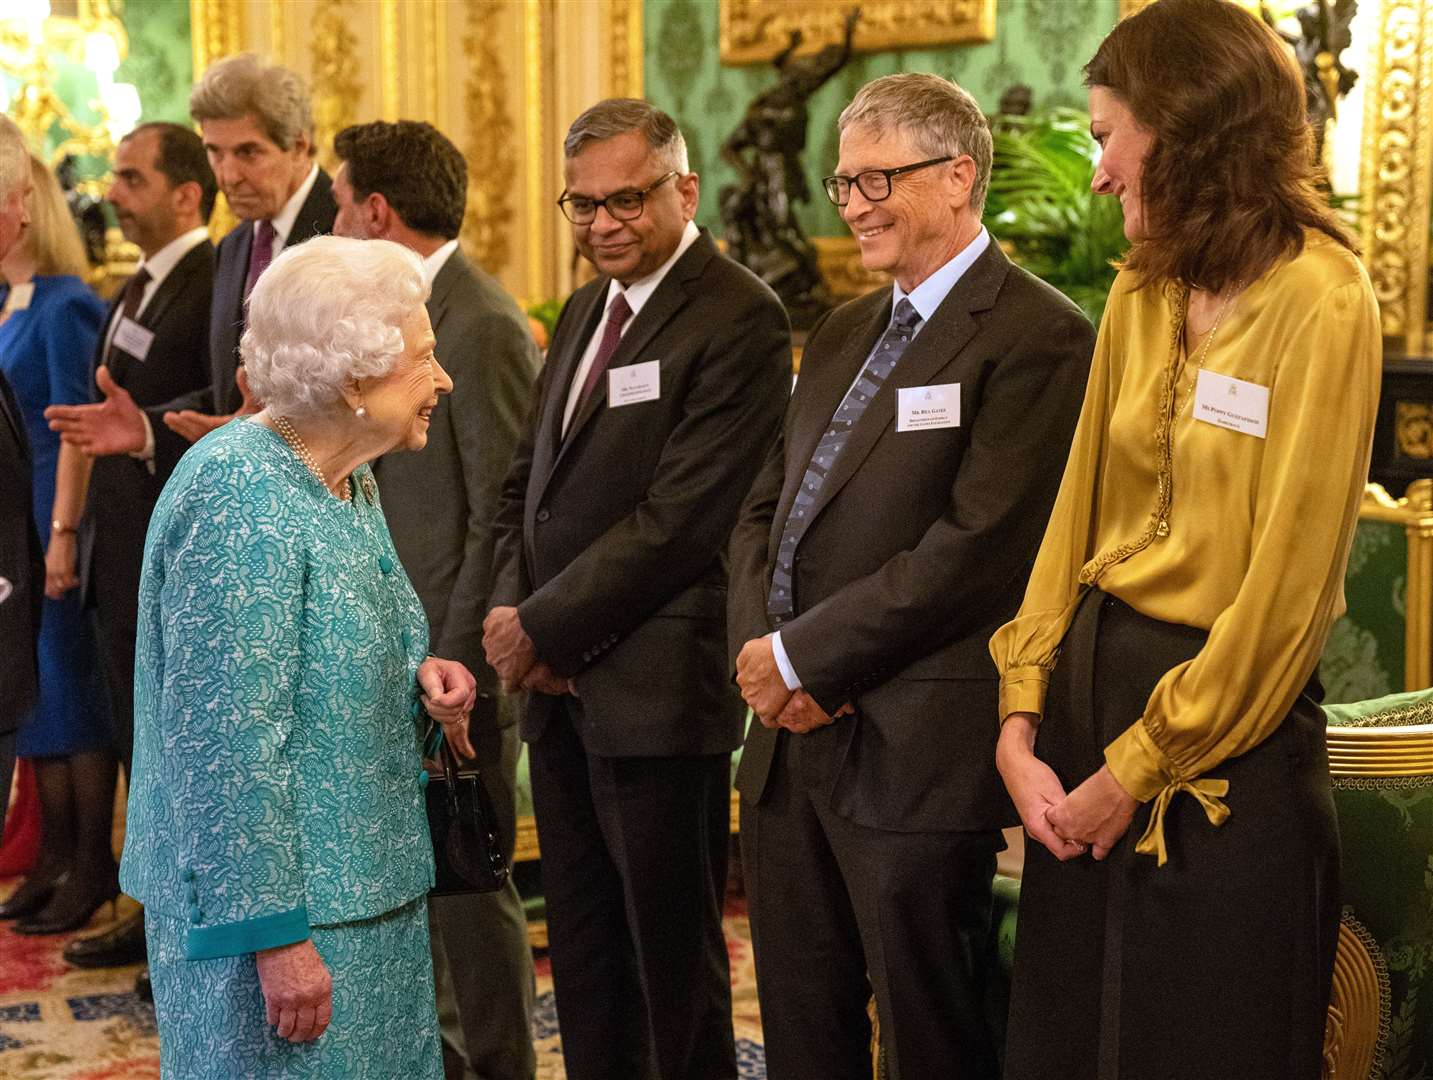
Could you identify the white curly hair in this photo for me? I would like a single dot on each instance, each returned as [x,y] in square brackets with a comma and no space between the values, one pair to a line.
[325,313]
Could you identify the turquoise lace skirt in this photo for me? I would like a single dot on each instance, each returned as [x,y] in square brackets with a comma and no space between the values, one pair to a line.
[211,1012]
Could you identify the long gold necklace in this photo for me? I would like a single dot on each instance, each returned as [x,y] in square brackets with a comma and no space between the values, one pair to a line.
[1204,348]
[302,452]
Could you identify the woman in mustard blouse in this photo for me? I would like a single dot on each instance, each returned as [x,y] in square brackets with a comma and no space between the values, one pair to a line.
[1160,734]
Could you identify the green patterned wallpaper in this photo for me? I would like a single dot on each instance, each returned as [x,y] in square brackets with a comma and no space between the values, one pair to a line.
[160,60]
[1042,43]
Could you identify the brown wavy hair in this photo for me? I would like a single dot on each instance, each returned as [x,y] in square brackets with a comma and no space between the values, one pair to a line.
[1229,184]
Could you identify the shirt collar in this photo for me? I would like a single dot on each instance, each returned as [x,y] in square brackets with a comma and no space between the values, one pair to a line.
[931,293]
[434,263]
[283,221]
[640,291]
[168,257]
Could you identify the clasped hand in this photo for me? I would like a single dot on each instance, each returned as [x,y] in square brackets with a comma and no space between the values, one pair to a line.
[1091,818]
[449,694]
[773,702]
[511,653]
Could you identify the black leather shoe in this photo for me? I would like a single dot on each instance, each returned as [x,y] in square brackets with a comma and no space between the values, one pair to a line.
[115,946]
[143,987]
[65,913]
[30,897]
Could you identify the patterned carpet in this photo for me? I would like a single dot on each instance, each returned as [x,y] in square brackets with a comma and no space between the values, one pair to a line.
[61,1023]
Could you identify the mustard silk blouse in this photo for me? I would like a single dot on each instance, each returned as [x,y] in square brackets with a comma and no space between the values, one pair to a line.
[1195,524]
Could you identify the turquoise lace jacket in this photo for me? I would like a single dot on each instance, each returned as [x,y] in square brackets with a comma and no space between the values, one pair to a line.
[277,783]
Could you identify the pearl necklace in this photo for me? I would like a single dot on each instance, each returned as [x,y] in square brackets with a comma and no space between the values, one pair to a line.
[302,452]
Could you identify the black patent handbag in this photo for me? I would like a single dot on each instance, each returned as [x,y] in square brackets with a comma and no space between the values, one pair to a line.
[467,854]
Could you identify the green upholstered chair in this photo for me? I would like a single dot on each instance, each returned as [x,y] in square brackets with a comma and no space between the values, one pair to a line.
[1382,645]
[1381,1013]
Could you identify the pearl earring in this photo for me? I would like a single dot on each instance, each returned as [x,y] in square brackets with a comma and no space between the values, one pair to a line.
[361,413]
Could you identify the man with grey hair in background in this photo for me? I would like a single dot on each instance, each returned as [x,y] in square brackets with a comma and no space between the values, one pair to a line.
[22,563]
[889,534]
[663,387]
[257,126]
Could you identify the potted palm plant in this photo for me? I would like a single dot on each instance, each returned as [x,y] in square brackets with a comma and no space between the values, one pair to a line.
[1041,207]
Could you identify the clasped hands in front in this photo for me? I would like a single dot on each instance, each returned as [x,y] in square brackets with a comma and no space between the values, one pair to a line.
[1091,818]
[511,653]
[775,704]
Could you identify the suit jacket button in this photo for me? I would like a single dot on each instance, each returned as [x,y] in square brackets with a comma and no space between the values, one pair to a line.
[543,514]
[186,874]
[385,564]
[195,915]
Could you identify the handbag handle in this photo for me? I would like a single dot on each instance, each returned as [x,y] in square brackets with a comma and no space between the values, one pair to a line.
[449,760]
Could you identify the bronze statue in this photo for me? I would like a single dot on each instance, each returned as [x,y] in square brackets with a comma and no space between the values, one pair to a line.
[765,149]
[1323,36]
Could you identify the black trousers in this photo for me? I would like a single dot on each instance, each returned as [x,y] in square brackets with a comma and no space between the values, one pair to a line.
[839,911]
[1215,966]
[115,577]
[634,863]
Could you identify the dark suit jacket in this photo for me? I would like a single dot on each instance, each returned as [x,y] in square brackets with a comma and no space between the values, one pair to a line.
[221,395]
[440,502]
[122,490]
[611,541]
[22,563]
[919,544]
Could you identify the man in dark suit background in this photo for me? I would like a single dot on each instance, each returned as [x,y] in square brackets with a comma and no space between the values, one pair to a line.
[22,560]
[889,533]
[663,387]
[155,347]
[407,183]
[257,127]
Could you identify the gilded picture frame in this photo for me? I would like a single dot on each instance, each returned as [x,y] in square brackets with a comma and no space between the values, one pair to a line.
[755,31]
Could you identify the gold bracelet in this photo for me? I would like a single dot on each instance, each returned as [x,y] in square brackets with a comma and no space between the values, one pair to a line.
[56,527]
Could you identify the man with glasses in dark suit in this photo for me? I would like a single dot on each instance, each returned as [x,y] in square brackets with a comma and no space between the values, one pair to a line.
[889,534]
[663,387]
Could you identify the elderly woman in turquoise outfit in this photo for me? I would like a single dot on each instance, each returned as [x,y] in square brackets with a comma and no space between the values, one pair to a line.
[276,835]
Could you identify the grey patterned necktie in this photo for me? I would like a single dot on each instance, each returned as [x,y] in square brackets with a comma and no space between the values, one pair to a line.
[879,365]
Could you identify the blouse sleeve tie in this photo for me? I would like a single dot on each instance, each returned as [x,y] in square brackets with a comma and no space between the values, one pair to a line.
[1207,791]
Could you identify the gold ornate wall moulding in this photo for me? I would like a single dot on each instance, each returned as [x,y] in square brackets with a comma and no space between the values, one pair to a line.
[1413,429]
[757,30]
[336,84]
[1395,166]
[625,48]
[492,169]
[215,31]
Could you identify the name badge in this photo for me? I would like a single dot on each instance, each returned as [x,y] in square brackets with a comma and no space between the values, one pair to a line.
[920,408]
[132,338]
[1232,403]
[633,383]
[20,296]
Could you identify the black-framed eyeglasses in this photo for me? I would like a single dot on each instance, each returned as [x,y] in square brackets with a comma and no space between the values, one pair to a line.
[874,184]
[622,205]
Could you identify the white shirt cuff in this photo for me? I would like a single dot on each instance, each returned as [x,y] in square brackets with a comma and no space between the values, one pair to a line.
[783,663]
[147,454]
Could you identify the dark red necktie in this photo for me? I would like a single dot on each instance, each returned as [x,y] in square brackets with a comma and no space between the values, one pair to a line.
[260,255]
[618,312]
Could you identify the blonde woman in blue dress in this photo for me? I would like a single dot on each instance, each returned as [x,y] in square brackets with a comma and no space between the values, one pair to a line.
[277,835]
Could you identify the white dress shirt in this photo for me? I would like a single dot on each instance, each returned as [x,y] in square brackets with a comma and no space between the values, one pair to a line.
[163,261]
[283,221]
[434,263]
[638,293]
[925,298]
